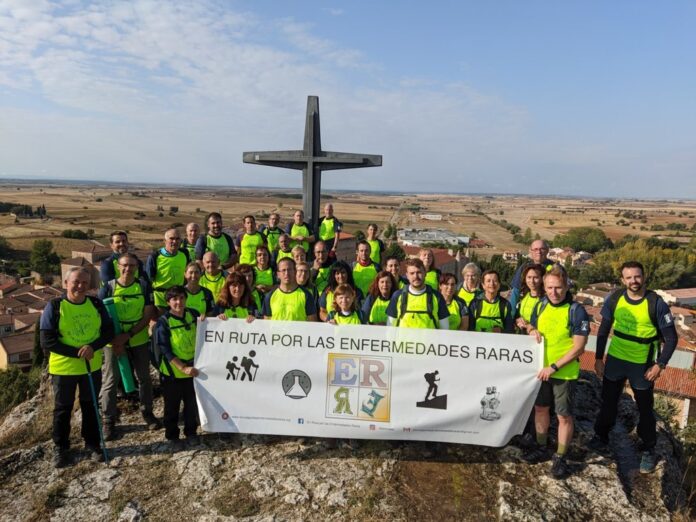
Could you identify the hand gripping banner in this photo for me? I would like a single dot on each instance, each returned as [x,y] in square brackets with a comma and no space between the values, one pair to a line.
[364,382]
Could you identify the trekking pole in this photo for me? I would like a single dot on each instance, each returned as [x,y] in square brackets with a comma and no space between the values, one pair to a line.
[96,410]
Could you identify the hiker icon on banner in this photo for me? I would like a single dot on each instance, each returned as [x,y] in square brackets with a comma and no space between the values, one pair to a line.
[246,370]
[435,402]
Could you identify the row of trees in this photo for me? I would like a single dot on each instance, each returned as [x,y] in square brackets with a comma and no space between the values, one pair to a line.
[19,209]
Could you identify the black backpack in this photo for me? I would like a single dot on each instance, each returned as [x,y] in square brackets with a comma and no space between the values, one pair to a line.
[477,306]
[403,301]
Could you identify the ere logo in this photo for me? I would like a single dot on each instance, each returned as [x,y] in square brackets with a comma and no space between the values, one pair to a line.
[359,388]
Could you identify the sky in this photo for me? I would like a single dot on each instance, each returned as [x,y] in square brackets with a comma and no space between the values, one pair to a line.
[585,98]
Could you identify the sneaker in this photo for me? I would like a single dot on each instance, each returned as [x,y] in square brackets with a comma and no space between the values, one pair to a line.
[559,466]
[599,445]
[537,454]
[648,461]
[152,422]
[95,453]
[109,431]
[525,442]
[193,440]
[61,457]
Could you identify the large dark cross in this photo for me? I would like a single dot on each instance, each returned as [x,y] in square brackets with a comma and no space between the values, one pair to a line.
[312,161]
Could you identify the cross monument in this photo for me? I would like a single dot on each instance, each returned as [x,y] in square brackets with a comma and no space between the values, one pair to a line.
[311,160]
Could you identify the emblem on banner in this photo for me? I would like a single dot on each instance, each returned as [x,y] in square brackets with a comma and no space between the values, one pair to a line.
[246,371]
[432,399]
[359,387]
[490,403]
[296,384]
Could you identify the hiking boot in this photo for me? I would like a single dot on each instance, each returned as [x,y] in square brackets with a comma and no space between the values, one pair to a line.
[96,454]
[152,422]
[176,445]
[599,445]
[537,454]
[61,457]
[559,466]
[525,442]
[109,430]
[648,461]
[193,440]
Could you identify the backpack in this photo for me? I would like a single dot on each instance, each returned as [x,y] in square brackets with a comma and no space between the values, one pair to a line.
[652,297]
[477,306]
[403,300]
[574,307]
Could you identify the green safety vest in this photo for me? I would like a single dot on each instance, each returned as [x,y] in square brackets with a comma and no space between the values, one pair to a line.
[432,279]
[219,245]
[353,318]
[117,272]
[375,252]
[467,296]
[417,311]
[282,255]
[363,276]
[635,335]
[455,316]
[272,237]
[130,305]
[257,298]
[198,301]
[329,295]
[247,247]
[183,342]
[326,230]
[170,272]
[215,284]
[321,281]
[378,312]
[289,306]
[299,230]
[264,277]
[237,312]
[190,249]
[527,305]
[552,323]
[78,325]
[489,315]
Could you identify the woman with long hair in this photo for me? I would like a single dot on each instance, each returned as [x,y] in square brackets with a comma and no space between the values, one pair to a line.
[459,312]
[379,295]
[235,299]
[531,290]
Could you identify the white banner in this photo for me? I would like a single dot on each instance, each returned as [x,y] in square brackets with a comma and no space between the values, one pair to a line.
[321,380]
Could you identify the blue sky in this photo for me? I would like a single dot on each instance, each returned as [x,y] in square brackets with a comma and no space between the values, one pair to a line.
[576,98]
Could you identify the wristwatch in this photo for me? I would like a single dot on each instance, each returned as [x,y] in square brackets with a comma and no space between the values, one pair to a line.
[662,365]
[555,368]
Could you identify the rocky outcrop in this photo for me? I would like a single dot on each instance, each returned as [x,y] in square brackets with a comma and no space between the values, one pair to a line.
[279,478]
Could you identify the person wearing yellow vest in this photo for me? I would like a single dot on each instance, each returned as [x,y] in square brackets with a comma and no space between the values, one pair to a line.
[193,232]
[299,255]
[264,274]
[470,287]
[74,328]
[531,291]
[248,272]
[272,232]
[379,295]
[118,240]
[197,297]
[235,301]
[284,249]
[175,335]
[321,266]
[302,276]
[538,255]
[376,245]
[345,307]
[213,277]
[458,311]
[248,240]
[330,230]
[564,327]
[417,305]
[289,302]
[300,232]
[339,274]
[491,312]
[134,310]
[393,266]
[165,267]
[364,268]
[215,240]
[644,339]
[432,274]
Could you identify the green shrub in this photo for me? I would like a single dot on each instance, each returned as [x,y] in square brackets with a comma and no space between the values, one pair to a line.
[17,386]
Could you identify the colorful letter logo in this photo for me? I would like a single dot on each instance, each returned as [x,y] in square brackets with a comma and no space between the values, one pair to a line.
[359,388]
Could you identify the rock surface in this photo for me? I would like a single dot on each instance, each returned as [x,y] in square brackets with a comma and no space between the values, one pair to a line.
[279,478]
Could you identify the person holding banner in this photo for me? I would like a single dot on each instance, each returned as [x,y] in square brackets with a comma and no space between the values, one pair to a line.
[133,311]
[235,299]
[381,290]
[531,291]
[345,307]
[339,274]
[469,287]
[213,277]
[491,312]
[564,326]
[73,329]
[393,266]
[458,311]
[289,302]
[197,297]
[175,336]
[165,267]
[417,305]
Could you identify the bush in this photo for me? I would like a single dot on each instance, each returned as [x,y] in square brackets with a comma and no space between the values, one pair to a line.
[17,386]
[74,234]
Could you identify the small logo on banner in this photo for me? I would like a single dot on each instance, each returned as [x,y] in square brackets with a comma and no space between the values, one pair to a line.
[246,371]
[359,387]
[225,415]
[432,399]
[373,427]
[296,384]
[300,421]
[490,403]
[407,429]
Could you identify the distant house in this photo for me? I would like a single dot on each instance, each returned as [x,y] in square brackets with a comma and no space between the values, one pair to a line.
[511,256]
[592,297]
[6,325]
[345,250]
[93,252]
[445,260]
[679,296]
[16,350]
[7,287]
[431,217]
[9,305]
[478,243]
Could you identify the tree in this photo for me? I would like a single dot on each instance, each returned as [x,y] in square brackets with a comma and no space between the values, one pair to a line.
[42,258]
[4,247]
[394,250]
[583,238]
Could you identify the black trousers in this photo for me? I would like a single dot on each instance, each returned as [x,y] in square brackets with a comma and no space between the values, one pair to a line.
[64,387]
[611,392]
[174,391]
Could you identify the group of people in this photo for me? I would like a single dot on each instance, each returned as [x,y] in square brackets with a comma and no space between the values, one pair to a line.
[294,275]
